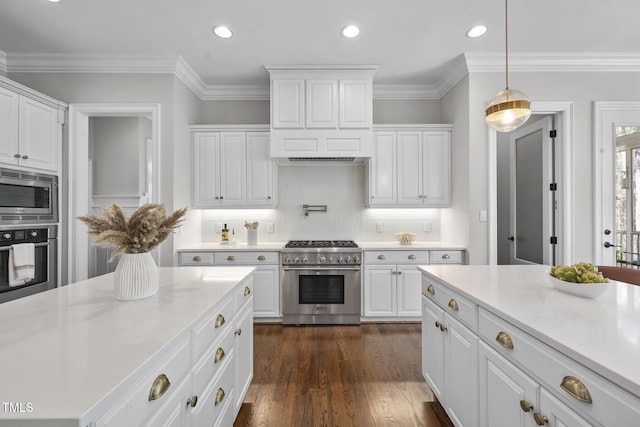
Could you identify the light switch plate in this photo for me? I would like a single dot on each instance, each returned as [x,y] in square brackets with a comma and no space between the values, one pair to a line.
[380,227]
[426,227]
[269,227]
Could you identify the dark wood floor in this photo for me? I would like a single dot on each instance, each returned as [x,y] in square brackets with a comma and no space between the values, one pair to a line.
[340,376]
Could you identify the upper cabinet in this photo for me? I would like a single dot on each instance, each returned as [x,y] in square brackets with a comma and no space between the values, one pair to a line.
[30,128]
[232,167]
[318,113]
[411,167]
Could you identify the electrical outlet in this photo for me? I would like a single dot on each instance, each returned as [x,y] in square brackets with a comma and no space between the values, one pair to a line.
[426,227]
[269,227]
[483,216]
[380,227]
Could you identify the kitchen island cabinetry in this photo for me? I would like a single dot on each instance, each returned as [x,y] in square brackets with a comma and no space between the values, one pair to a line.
[543,357]
[175,359]
[411,166]
[30,128]
[232,167]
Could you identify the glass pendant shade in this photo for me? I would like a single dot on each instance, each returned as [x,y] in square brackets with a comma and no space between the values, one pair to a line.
[508,110]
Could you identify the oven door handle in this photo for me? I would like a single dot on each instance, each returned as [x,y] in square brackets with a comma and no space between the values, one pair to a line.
[37,245]
[321,268]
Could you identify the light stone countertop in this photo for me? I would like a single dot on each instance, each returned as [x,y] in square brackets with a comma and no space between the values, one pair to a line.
[434,246]
[277,246]
[602,333]
[66,350]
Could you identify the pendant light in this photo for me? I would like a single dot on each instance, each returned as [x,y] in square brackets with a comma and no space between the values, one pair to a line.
[509,109]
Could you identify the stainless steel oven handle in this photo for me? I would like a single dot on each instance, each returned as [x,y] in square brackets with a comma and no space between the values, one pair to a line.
[6,248]
[321,268]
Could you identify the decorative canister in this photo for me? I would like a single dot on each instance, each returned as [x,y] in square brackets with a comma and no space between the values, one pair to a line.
[136,277]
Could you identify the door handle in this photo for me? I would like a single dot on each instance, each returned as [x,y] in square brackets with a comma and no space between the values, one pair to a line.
[511,238]
[608,245]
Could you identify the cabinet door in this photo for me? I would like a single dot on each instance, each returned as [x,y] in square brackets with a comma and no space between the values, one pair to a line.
[266,290]
[556,414]
[355,103]
[461,373]
[233,165]
[244,355]
[410,190]
[380,291]
[409,281]
[9,107]
[436,168]
[287,103]
[38,135]
[502,387]
[382,170]
[433,347]
[206,158]
[321,103]
[260,170]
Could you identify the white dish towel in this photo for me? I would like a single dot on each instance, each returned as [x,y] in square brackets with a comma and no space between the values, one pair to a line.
[21,264]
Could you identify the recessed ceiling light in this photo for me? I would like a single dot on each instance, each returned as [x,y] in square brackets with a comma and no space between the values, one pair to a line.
[476,31]
[54,1]
[350,31]
[222,32]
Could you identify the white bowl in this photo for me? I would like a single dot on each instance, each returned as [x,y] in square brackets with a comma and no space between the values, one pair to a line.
[584,290]
[405,238]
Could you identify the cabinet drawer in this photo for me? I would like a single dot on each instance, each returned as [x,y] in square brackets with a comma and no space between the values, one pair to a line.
[396,257]
[214,400]
[134,406]
[172,412]
[246,257]
[210,329]
[196,258]
[610,405]
[445,257]
[454,304]
[211,361]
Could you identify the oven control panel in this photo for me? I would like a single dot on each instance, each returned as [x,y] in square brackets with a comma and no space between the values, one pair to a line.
[31,235]
[321,259]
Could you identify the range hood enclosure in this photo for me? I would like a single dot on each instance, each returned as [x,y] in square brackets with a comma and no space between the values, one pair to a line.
[321,112]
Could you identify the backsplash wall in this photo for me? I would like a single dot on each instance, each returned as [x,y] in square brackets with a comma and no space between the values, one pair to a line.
[342,189]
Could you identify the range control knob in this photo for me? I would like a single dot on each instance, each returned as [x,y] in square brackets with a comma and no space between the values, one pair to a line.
[34,233]
[296,260]
[348,259]
[287,260]
[340,260]
[322,259]
[356,259]
[304,260]
[6,236]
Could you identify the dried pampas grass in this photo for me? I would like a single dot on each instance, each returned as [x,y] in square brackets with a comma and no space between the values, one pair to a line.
[147,227]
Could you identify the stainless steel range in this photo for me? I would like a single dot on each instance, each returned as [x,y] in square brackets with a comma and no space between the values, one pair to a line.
[321,282]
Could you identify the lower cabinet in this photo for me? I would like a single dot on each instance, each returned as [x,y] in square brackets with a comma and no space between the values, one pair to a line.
[244,353]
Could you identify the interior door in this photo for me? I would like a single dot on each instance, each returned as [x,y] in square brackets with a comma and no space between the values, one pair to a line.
[533,205]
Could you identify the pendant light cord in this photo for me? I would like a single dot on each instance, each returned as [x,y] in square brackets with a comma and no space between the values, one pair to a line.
[506,45]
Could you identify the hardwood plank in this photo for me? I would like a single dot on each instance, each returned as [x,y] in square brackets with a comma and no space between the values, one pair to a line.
[339,376]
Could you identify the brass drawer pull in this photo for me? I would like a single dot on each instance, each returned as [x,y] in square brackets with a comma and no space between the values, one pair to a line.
[17,155]
[197,258]
[526,406]
[445,256]
[219,355]
[262,258]
[438,323]
[411,256]
[219,396]
[219,321]
[193,401]
[453,304]
[231,258]
[25,157]
[239,331]
[159,387]
[505,340]
[540,419]
[431,289]
[441,326]
[381,257]
[576,389]
[247,291]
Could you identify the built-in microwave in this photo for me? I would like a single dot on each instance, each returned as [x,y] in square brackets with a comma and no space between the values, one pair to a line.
[28,197]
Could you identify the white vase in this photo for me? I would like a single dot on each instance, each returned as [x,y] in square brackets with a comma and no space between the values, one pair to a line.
[136,277]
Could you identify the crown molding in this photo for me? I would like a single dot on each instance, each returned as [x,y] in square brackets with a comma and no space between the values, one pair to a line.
[89,63]
[405,92]
[555,62]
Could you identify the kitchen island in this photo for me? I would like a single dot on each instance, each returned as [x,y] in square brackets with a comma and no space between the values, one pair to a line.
[75,356]
[501,345]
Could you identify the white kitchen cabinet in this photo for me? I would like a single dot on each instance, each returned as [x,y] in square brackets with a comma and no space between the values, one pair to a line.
[243,348]
[321,103]
[30,128]
[232,167]
[411,167]
[287,103]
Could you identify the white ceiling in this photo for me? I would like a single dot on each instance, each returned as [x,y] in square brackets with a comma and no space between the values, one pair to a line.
[413,42]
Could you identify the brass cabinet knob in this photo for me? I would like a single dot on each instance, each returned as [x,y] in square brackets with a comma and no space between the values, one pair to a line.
[438,323]
[17,155]
[247,291]
[219,396]
[221,197]
[193,401]
[217,198]
[445,256]
[412,256]
[261,258]
[220,321]
[381,257]
[431,289]
[540,419]
[159,387]
[197,258]
[399,272]
[441,326]
[505,340]
[576,389]
[25,157]
[238,331]
[394,272]
[231,258]
[526,406]
[268,197]
[219,355]
[453,305]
